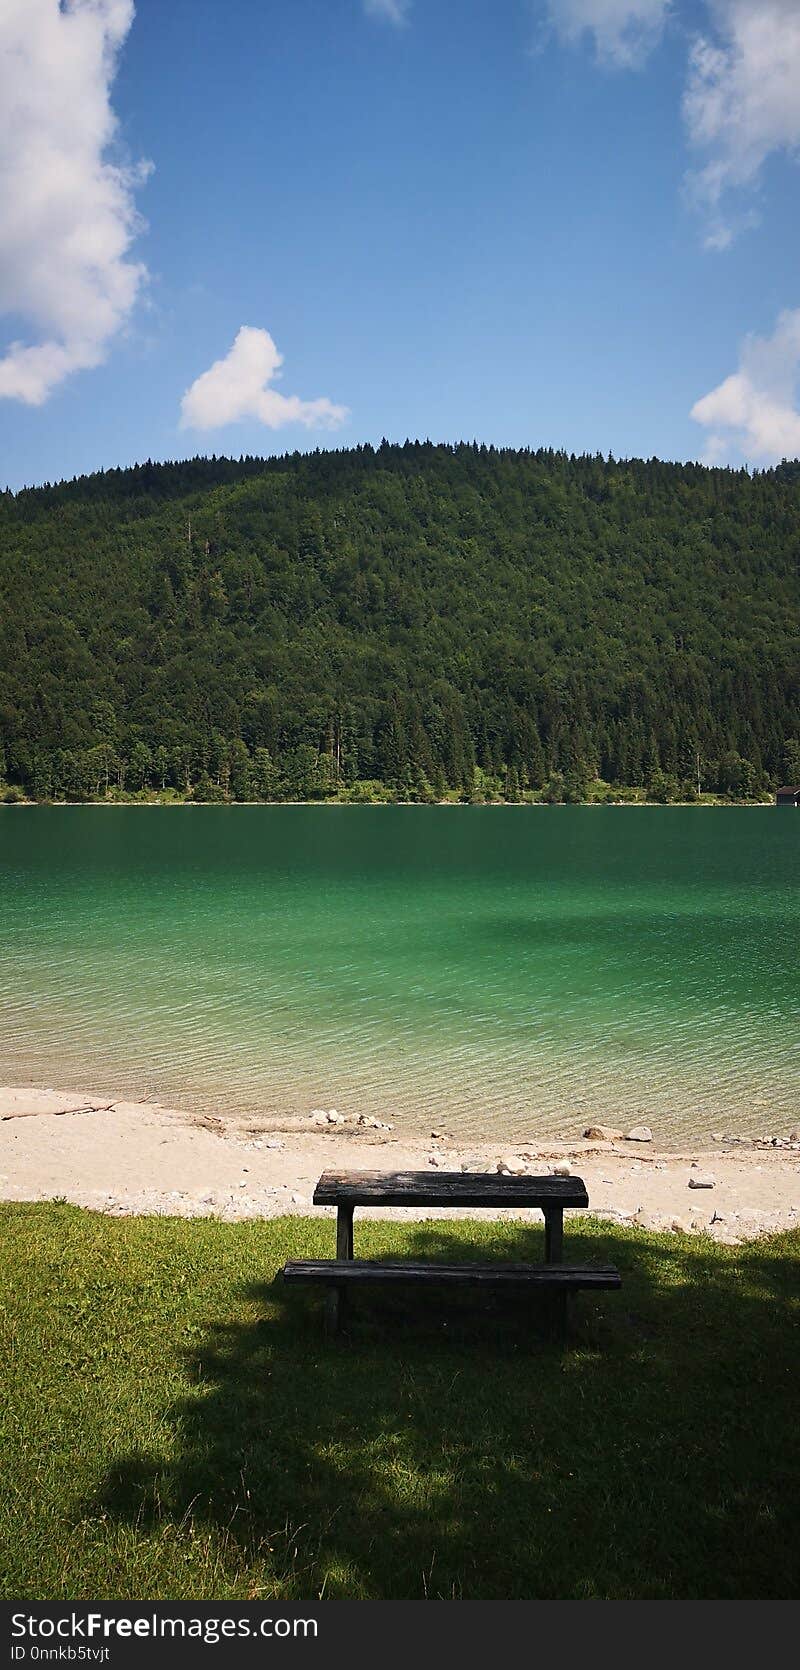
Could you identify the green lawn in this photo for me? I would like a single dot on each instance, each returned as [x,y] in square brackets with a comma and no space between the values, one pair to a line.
[176,1427]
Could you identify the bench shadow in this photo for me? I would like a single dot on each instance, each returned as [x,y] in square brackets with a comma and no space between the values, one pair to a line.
[448,1449]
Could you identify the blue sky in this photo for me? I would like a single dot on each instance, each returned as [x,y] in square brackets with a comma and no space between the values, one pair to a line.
[534,222]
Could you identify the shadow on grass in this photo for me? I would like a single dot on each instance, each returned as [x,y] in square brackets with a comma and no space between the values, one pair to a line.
[444,1449]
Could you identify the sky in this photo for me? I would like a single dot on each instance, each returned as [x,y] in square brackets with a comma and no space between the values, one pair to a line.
[256,226]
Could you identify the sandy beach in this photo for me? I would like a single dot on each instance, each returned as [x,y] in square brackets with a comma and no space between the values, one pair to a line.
[124,1157]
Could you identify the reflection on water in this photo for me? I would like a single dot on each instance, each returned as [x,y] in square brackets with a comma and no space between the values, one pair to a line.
[516,970]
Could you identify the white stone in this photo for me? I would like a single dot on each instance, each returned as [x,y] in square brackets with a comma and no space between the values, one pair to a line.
[511,1166]
[639,1133]
[652,1220]
[562,1168]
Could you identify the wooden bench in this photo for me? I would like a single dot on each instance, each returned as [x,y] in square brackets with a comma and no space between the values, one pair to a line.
[346,1190]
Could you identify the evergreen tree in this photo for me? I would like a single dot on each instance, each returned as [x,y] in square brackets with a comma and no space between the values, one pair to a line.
[403,614]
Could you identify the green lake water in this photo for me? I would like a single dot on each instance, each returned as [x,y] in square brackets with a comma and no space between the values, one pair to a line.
[512,971]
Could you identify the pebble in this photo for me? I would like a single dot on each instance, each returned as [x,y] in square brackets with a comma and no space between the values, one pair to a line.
[511,1166]
[639,1133]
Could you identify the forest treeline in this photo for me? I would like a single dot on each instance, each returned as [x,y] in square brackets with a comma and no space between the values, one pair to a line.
[427,618]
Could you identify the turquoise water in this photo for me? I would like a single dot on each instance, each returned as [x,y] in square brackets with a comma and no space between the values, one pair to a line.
[490,970]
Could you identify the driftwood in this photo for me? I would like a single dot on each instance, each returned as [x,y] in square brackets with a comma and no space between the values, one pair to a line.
[57,1113]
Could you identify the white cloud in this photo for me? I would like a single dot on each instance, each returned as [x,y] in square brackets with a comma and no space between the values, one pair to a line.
[625,31]
[754,413]
[742,102]
[67,215]
[395,11]
[237,387]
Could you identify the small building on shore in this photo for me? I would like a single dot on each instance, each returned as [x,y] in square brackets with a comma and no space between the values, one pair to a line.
[787,797]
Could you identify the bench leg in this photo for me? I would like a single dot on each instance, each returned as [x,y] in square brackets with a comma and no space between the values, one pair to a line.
[334,1307]
[554,1234]
[344,1232]
[335,1303]
[556,1316]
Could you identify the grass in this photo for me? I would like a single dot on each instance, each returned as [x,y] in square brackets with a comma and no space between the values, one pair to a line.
[175,1426]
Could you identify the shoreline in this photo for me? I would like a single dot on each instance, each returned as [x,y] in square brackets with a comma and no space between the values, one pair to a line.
[128,1158]
[421,805]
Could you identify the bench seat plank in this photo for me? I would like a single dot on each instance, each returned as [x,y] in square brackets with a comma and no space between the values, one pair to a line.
[446,1188]
[378,1271]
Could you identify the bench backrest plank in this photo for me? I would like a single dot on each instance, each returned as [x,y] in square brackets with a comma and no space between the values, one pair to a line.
[446,1188]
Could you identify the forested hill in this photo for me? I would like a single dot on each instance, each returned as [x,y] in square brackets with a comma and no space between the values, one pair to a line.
[430,617]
